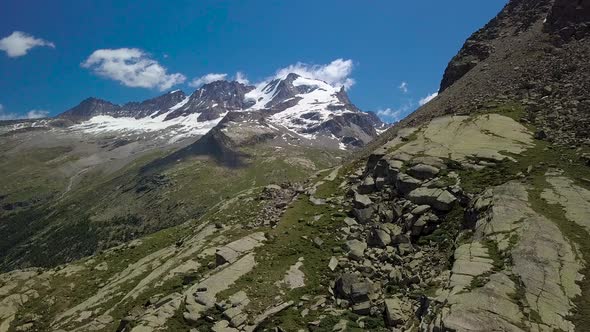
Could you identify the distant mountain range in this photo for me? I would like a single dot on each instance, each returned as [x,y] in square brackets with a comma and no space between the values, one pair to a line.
[306,107]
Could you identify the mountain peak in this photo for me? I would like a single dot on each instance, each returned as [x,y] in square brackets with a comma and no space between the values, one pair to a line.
[306,106]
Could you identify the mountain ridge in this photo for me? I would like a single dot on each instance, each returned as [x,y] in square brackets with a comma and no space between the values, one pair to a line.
[306,106]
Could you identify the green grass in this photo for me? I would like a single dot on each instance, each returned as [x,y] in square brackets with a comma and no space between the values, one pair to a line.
[86,220]
[286,245]
[31,176]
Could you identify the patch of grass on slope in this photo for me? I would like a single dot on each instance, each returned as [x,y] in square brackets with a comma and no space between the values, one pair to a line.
[290,240]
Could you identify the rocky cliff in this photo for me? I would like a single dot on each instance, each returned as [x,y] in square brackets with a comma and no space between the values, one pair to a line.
[533,53]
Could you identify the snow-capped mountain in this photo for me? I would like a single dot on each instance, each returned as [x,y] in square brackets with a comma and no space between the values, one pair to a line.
[308,108]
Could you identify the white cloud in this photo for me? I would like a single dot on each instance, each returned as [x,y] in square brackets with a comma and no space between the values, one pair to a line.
[205,79]
[390,114]
[132,67]
[428,98]
[336,73]
[404,87]
[19,43]
[32,114]
[37,114]
[241,78]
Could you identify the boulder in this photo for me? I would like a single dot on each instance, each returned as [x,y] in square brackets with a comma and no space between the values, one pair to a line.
[236,316]
[363,215]
[406,183]
[225,255]
[367,186]
[360,292]
[362,309]
[350,222]
[239,298]
[392,169]
[397,210]
[418,227]
[361,201]
[333,264]
[356,249]
[439,199]
[343,285]
[394,315]
[379,238]
[420,210]
[423,171]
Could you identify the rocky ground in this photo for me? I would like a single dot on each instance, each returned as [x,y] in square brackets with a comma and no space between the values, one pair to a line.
[432,233]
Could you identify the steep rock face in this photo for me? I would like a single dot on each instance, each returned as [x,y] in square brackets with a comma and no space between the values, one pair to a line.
[569,18]
[534,54]
[517,17]
[88,108]
[92,107]
[212,100]
[148,107]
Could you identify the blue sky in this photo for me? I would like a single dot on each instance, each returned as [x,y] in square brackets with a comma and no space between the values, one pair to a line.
[57,62]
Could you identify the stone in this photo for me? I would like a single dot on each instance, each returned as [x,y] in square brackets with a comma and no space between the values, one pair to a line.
[361,201]
[272,187]
[423,172]
[362,309]
[367,186]
[238,298]
[294,278]
[400,239]
[343,285]
[333,264]
[341,326]
[363,215]
[420,210]
[235,315]
[350,222]
[356,249]
[231,251]
[394,315]
[540,135]
[266,314]
[395,275]
[379,238]
[222,326]
[397,210]
[317,201]
[418,227]
[318,242]
[406,183]
[439,199]
[360,292]
[225,255]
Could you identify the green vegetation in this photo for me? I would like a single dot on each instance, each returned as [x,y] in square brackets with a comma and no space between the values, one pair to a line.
[290,240]
[85,219]
[30,177]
